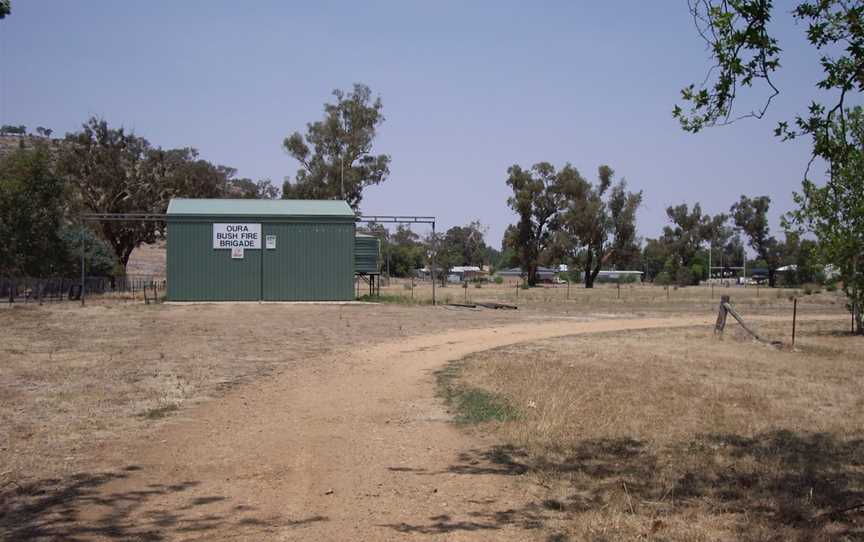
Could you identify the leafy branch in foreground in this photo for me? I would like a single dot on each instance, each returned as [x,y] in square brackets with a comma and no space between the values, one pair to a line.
[745,54]
[834,212]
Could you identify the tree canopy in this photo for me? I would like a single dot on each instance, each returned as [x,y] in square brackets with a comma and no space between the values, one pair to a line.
[599,220]
[31,207]
[834,212]
[336,153]
[690,229]
[751,217]
[537,200]
[746,55]
[115,171]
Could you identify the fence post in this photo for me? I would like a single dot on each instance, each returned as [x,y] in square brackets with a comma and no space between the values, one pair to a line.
[81,240]
[794,318]
[721,315]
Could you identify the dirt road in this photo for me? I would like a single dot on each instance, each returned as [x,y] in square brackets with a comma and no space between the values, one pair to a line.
[355,448]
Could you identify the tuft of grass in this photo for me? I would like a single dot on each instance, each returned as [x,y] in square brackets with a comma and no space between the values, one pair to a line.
[472,405]
[159,412]
[475,405]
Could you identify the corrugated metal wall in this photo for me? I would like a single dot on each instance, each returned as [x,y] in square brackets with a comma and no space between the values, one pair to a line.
[366,254]
[313,261]
[197,272]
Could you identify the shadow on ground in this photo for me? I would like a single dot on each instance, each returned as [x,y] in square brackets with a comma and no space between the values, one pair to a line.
[51,509]
[778,485]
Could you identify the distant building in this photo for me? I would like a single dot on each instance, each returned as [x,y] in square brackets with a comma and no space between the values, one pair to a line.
[467,272]
[758,275]
[454,274]
[616,275]
[544,274]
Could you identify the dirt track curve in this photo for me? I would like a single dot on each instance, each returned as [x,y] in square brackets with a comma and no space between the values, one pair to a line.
[354,448]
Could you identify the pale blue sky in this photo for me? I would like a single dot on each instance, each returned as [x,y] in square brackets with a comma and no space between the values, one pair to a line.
[468,90]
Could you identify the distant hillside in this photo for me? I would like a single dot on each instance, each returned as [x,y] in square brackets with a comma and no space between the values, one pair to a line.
[10,143]
[148,260]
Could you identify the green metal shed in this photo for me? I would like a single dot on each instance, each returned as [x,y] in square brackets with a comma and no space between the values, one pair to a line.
[251,250]
[367,250]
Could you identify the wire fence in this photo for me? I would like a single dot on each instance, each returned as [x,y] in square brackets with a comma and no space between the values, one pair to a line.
[48,290]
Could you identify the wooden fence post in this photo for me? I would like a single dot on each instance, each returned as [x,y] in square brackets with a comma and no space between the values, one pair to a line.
[794,318]
[721,315]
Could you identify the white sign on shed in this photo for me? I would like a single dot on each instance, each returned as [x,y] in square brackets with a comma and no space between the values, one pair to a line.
[230,236]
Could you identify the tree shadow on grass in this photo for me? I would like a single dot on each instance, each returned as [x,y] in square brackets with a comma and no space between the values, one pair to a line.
[496,461]
[51,509]
[782,484]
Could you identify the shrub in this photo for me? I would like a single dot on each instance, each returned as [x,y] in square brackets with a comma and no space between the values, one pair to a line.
[684,277]
[629,279]
[499,279]
[663,279]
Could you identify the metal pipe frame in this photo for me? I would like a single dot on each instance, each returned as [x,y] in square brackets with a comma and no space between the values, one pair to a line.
[407,219]
[112,217]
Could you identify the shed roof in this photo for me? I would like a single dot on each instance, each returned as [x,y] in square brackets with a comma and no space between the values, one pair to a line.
[259,207]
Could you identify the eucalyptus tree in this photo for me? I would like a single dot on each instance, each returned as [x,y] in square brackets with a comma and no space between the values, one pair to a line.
[112,170]
[689,231]
[599,219]
[751,217]
[336,153]
[537,201]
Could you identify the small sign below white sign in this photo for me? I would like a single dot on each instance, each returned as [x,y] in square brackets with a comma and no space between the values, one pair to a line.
[270,242]
[236,236]
[237,253]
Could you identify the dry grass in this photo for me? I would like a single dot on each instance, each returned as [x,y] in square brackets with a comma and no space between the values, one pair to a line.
[674,435]
[631,298]
[71,378]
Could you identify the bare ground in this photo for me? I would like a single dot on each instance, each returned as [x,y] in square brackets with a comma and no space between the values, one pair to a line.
[343,440]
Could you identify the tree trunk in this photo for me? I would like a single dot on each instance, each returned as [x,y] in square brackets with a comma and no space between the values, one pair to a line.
[125,255]
[532,274]
[772,277]
[858,316]
[596,270]
[589,278]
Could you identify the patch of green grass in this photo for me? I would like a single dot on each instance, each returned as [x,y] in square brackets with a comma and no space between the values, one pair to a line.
[159,412]
[472,405]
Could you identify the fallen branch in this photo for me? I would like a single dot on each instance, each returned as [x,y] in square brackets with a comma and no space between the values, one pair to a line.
[838,511]
[490,305]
